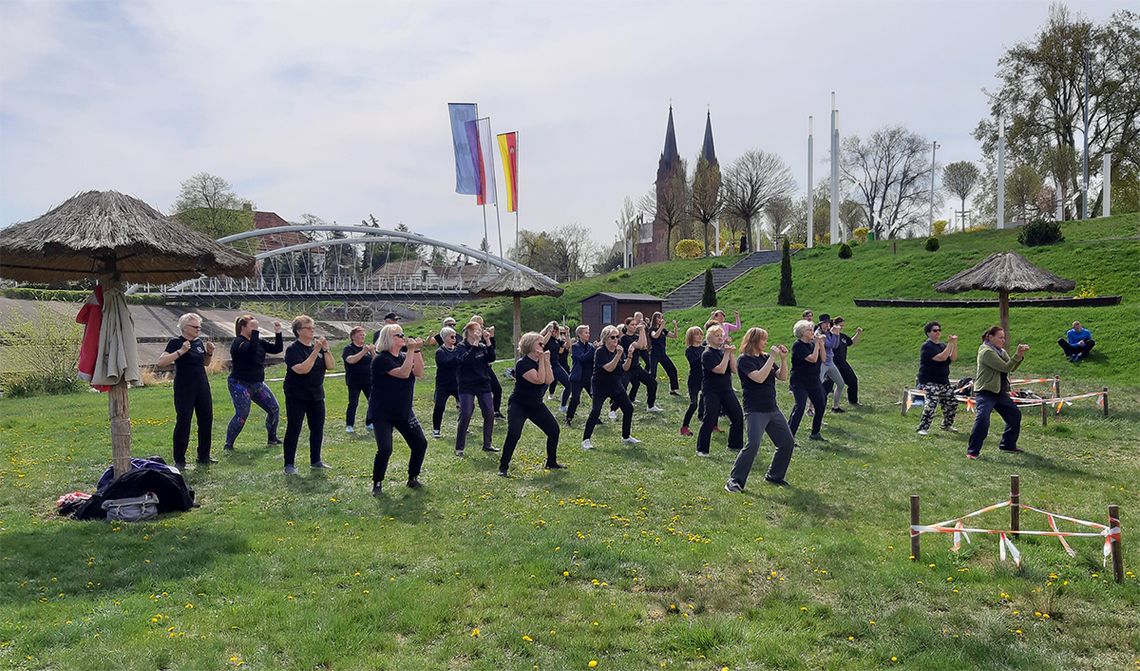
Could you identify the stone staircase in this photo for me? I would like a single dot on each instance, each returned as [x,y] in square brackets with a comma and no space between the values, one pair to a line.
[689,294]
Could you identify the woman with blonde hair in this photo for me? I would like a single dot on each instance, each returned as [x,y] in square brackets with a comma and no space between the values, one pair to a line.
[718,365]
[190,355]
[610,362]
[473,377]
[306,360]
[496,386]
[398,363]
[758,374]
[247,378]
[582,354]
[693,339]
[533,375]
[807,356]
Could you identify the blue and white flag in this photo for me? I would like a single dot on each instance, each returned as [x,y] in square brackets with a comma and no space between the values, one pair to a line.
[467,160]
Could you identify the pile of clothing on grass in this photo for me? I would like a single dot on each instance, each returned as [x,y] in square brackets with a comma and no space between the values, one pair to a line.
[150,488]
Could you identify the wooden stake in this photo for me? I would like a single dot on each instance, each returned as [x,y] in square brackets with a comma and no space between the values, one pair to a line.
[1114,544]
[1105,390]
[906,395]
[914,555]
[1015,504]
[119,408]
[1044,414]
[1056,386]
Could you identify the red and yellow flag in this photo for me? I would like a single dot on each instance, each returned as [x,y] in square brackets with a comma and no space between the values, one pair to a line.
[508,147]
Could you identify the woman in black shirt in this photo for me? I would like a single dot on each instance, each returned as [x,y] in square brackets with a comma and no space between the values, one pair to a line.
[447,359]
[306,361]
[394,374]
[718,366]
[610,362]
[850,380]
[658,334]
[474,381]
[934,378]
[807,355]
[357,359]
[532,376]
[190,356]
[693,349]
[583,355]
[758,374]
[553,344]
[247,378]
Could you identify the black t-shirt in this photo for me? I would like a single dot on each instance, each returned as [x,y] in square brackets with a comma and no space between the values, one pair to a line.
[657,345]
[717,383]
[247,356]
[929,370]
[638,354]
[803,371]
[391,396]
[693,356]
[603,379]
[359,373]
[526,393]
[191,366]
[474,374]
[758,396]
[840,351]
[446,369]
[311,385]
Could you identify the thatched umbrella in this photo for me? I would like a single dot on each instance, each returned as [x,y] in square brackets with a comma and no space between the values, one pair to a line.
[1005,272]
[115,238]
[518,285]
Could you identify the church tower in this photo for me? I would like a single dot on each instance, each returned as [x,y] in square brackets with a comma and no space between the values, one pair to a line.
[655,246]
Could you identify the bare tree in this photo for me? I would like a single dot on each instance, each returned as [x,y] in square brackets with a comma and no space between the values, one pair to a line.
[1022,187]
[673,207]
[890,173]
[575,250]
[1061,165]
[705,192]
[751,183]
[781,212]
[960,178]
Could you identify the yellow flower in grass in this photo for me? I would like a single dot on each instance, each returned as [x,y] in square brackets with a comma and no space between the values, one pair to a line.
[593,664]
[528,639]
[475,632]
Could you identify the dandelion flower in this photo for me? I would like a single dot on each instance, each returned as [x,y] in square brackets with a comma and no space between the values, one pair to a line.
[475,632]
[593,664]
[528,639]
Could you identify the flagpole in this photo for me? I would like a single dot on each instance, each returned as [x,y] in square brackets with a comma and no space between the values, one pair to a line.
[484,206]
[498,221]
[516,176]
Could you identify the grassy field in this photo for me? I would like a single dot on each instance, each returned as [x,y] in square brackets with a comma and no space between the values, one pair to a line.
[633,558]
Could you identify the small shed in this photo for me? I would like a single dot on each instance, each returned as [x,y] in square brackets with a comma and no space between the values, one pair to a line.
[608,308]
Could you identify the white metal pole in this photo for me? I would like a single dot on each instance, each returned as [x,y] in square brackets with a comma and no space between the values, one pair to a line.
[933,163]
[1085,157]
[1001,172]
[834,171]
[810,194]
[1106,172]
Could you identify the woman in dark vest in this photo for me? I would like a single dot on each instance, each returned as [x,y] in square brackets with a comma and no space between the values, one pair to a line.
[532,376]
[190,356]
[807,355]
[447,359]
[582,353]
[718,366]
[357,359]
[247,378]
[395,368]
[610,362]
[306,360]
[474,383]
[658,354]
[759,371]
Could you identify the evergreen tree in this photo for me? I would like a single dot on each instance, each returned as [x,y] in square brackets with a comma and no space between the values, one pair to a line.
[708,299]
[787,295]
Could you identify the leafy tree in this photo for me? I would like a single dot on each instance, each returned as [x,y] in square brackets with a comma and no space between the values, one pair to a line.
[960,178]
[787,295]
[689,249]
[1061,164]
[1021,189]
[208,204]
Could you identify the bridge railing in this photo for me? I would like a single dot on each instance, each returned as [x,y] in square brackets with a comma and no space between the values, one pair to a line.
[307,284]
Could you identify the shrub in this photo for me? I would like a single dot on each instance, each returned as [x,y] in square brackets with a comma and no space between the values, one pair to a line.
[718,264]
[798,245]
[845,251]
[1087,290]
[860,234]
[708,298]
[40,353]
[1040,232]
[689,249]
[624,274]
[74,295]
[787,295]
[940,228]
[932,244]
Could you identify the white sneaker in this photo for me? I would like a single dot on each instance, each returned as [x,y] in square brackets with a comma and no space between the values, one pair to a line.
[587,444]
[562,409]
[924,433]
[702,454]
[349,429]
[654,408]
[435,433]
[613,415]
[631,441]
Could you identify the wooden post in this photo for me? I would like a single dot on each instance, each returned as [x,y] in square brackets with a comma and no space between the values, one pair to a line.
[119,408]
[1114,544]
[906,395]
[1003,307]
[516,330]
[1056,386]
[1105,390]
[914,520]
[1015,504]
[1044,414]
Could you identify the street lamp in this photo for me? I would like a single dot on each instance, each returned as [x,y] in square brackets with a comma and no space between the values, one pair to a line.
[933,155]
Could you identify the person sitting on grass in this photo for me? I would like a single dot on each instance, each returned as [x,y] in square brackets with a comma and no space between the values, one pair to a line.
[1077,343]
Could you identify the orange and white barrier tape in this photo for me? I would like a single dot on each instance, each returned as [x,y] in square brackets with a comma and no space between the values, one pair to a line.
[971,405]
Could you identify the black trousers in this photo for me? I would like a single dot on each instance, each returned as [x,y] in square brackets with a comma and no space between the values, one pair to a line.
[517,416]
[638,377]
[413,434]
[496,391]
[1076,350]
[620,400]
[670,370]
[575,390]
[715,403]
[803,393]
[441,396]
[695,403]
[297,412]
[354,391]
[850,380]
[560,375]
[190,398]
[986,402]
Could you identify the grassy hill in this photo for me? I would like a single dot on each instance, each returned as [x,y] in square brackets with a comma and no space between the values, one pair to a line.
[633,558]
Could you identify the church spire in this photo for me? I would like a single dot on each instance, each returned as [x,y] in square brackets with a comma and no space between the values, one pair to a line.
[670,155]
[708,151]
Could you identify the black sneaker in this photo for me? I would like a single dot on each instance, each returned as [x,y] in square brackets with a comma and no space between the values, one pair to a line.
[733,487]
[376,489]
[210,460]
[774,481]
[490,448]
[838,410]
[272,441]
[290,470]
[1013,449]
[503,473]
[319,465]
[228,448]
[499,415]
[553,467]
[414,483]
[817,436]
[180,465]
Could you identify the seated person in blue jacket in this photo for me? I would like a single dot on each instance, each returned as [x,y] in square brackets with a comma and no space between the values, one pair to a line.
[1077,343]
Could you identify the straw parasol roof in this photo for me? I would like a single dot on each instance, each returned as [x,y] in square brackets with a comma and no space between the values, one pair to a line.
[109,234]
[518,284]
[1005,271]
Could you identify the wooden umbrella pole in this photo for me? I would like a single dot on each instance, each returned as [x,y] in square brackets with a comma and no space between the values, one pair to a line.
[517,326]
[120,412]
[1004,306]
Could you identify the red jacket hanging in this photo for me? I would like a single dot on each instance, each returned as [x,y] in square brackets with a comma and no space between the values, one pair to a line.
[91,315]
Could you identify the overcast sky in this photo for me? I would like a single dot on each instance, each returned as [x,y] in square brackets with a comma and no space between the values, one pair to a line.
[340,108]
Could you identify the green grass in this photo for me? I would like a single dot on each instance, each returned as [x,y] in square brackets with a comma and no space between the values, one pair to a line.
[313,573]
